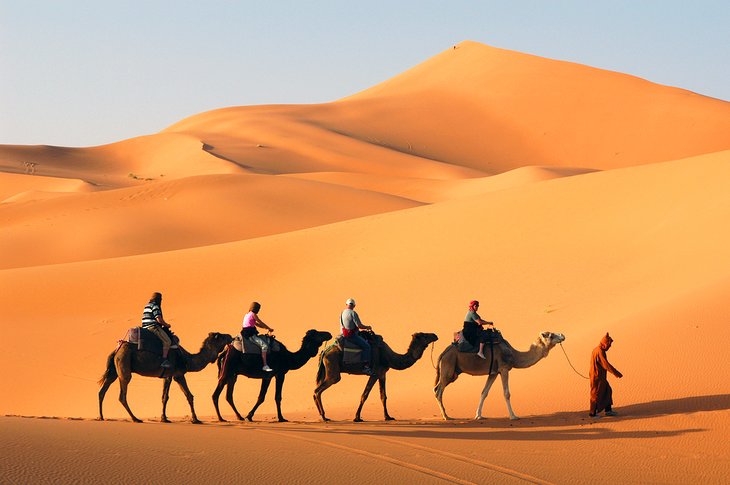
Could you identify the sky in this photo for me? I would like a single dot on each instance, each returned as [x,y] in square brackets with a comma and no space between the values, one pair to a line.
[85,73]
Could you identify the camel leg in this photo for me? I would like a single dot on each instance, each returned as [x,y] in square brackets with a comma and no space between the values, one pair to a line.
[438,391]
[485,392]
[108,381]
[183,383]
[123,383]
[216,394]
[505,386]
[230,385]
[384,398]
[364,397]
[326,383]
[277,398]
[165,398]
[265,383]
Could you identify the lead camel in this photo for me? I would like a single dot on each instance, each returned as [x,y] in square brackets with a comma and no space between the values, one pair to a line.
[504,358]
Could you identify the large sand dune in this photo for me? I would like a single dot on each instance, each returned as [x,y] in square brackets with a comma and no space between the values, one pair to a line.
[564,197]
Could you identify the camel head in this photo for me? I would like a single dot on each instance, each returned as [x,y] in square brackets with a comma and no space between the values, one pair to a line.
[550,339]
[424,338]
[317,337]
[216,342]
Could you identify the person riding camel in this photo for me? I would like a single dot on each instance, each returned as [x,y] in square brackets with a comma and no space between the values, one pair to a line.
[350,326]
[473,330]
[153,321]
[250,321]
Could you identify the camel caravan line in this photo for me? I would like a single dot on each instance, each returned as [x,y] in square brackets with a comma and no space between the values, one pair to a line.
[265,358]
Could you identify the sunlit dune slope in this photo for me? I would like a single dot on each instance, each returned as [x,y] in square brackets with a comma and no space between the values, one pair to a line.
[478,107]
[433,190]
[175,214]
[495,109]
[546,256]
[125,163]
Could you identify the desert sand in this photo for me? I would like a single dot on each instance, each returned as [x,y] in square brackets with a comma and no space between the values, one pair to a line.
[565,198]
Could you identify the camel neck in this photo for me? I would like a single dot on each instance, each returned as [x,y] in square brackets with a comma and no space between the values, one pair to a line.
[522,360]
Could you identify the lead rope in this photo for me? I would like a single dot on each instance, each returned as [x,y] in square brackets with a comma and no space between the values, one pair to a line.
[432,345]
[571,365]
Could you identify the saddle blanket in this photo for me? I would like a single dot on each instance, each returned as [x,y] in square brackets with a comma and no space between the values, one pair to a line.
[463,345]
[147,340]
[351,353]
[245,346]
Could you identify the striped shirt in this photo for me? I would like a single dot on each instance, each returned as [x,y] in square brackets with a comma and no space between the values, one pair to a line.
[151,311]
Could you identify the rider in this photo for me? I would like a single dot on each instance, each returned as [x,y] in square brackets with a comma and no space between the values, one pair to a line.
[350,325]
[474,327]
[153,321]
[250,321]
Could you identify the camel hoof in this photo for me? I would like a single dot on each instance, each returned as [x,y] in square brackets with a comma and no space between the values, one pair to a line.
[137,420]
[389,418]
[164,420]
[326,420]
[357,420]
[282,420]
[514,418]
[249,419]
[222,420]
[479,418]
[196,421]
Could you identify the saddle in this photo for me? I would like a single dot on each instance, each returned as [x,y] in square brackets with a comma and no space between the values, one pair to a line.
[245,346]
[494,337]
[148,341]
[351,353]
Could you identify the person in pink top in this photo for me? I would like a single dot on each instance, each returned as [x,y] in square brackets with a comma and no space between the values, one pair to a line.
[250,323]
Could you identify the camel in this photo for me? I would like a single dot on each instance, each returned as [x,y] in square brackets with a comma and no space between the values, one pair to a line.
[384,358]
[126,359]
[452,362]
[233,363]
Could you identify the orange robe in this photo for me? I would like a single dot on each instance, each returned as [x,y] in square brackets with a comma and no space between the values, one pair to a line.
[601,392]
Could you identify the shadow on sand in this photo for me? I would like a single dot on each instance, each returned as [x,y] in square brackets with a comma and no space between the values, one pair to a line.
[574,425]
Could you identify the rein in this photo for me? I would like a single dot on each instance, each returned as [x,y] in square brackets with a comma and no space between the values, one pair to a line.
[432,346]
[571,365]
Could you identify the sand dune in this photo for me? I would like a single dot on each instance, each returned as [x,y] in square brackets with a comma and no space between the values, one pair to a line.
[564,198]
[530,260]
[495,110]
[175,214]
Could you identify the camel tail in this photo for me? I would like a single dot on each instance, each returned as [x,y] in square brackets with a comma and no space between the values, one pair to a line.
[111,370]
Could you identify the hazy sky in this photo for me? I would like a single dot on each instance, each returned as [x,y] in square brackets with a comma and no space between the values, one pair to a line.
[80,73]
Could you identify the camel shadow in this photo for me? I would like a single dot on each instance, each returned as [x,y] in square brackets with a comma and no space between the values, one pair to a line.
[564,426]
